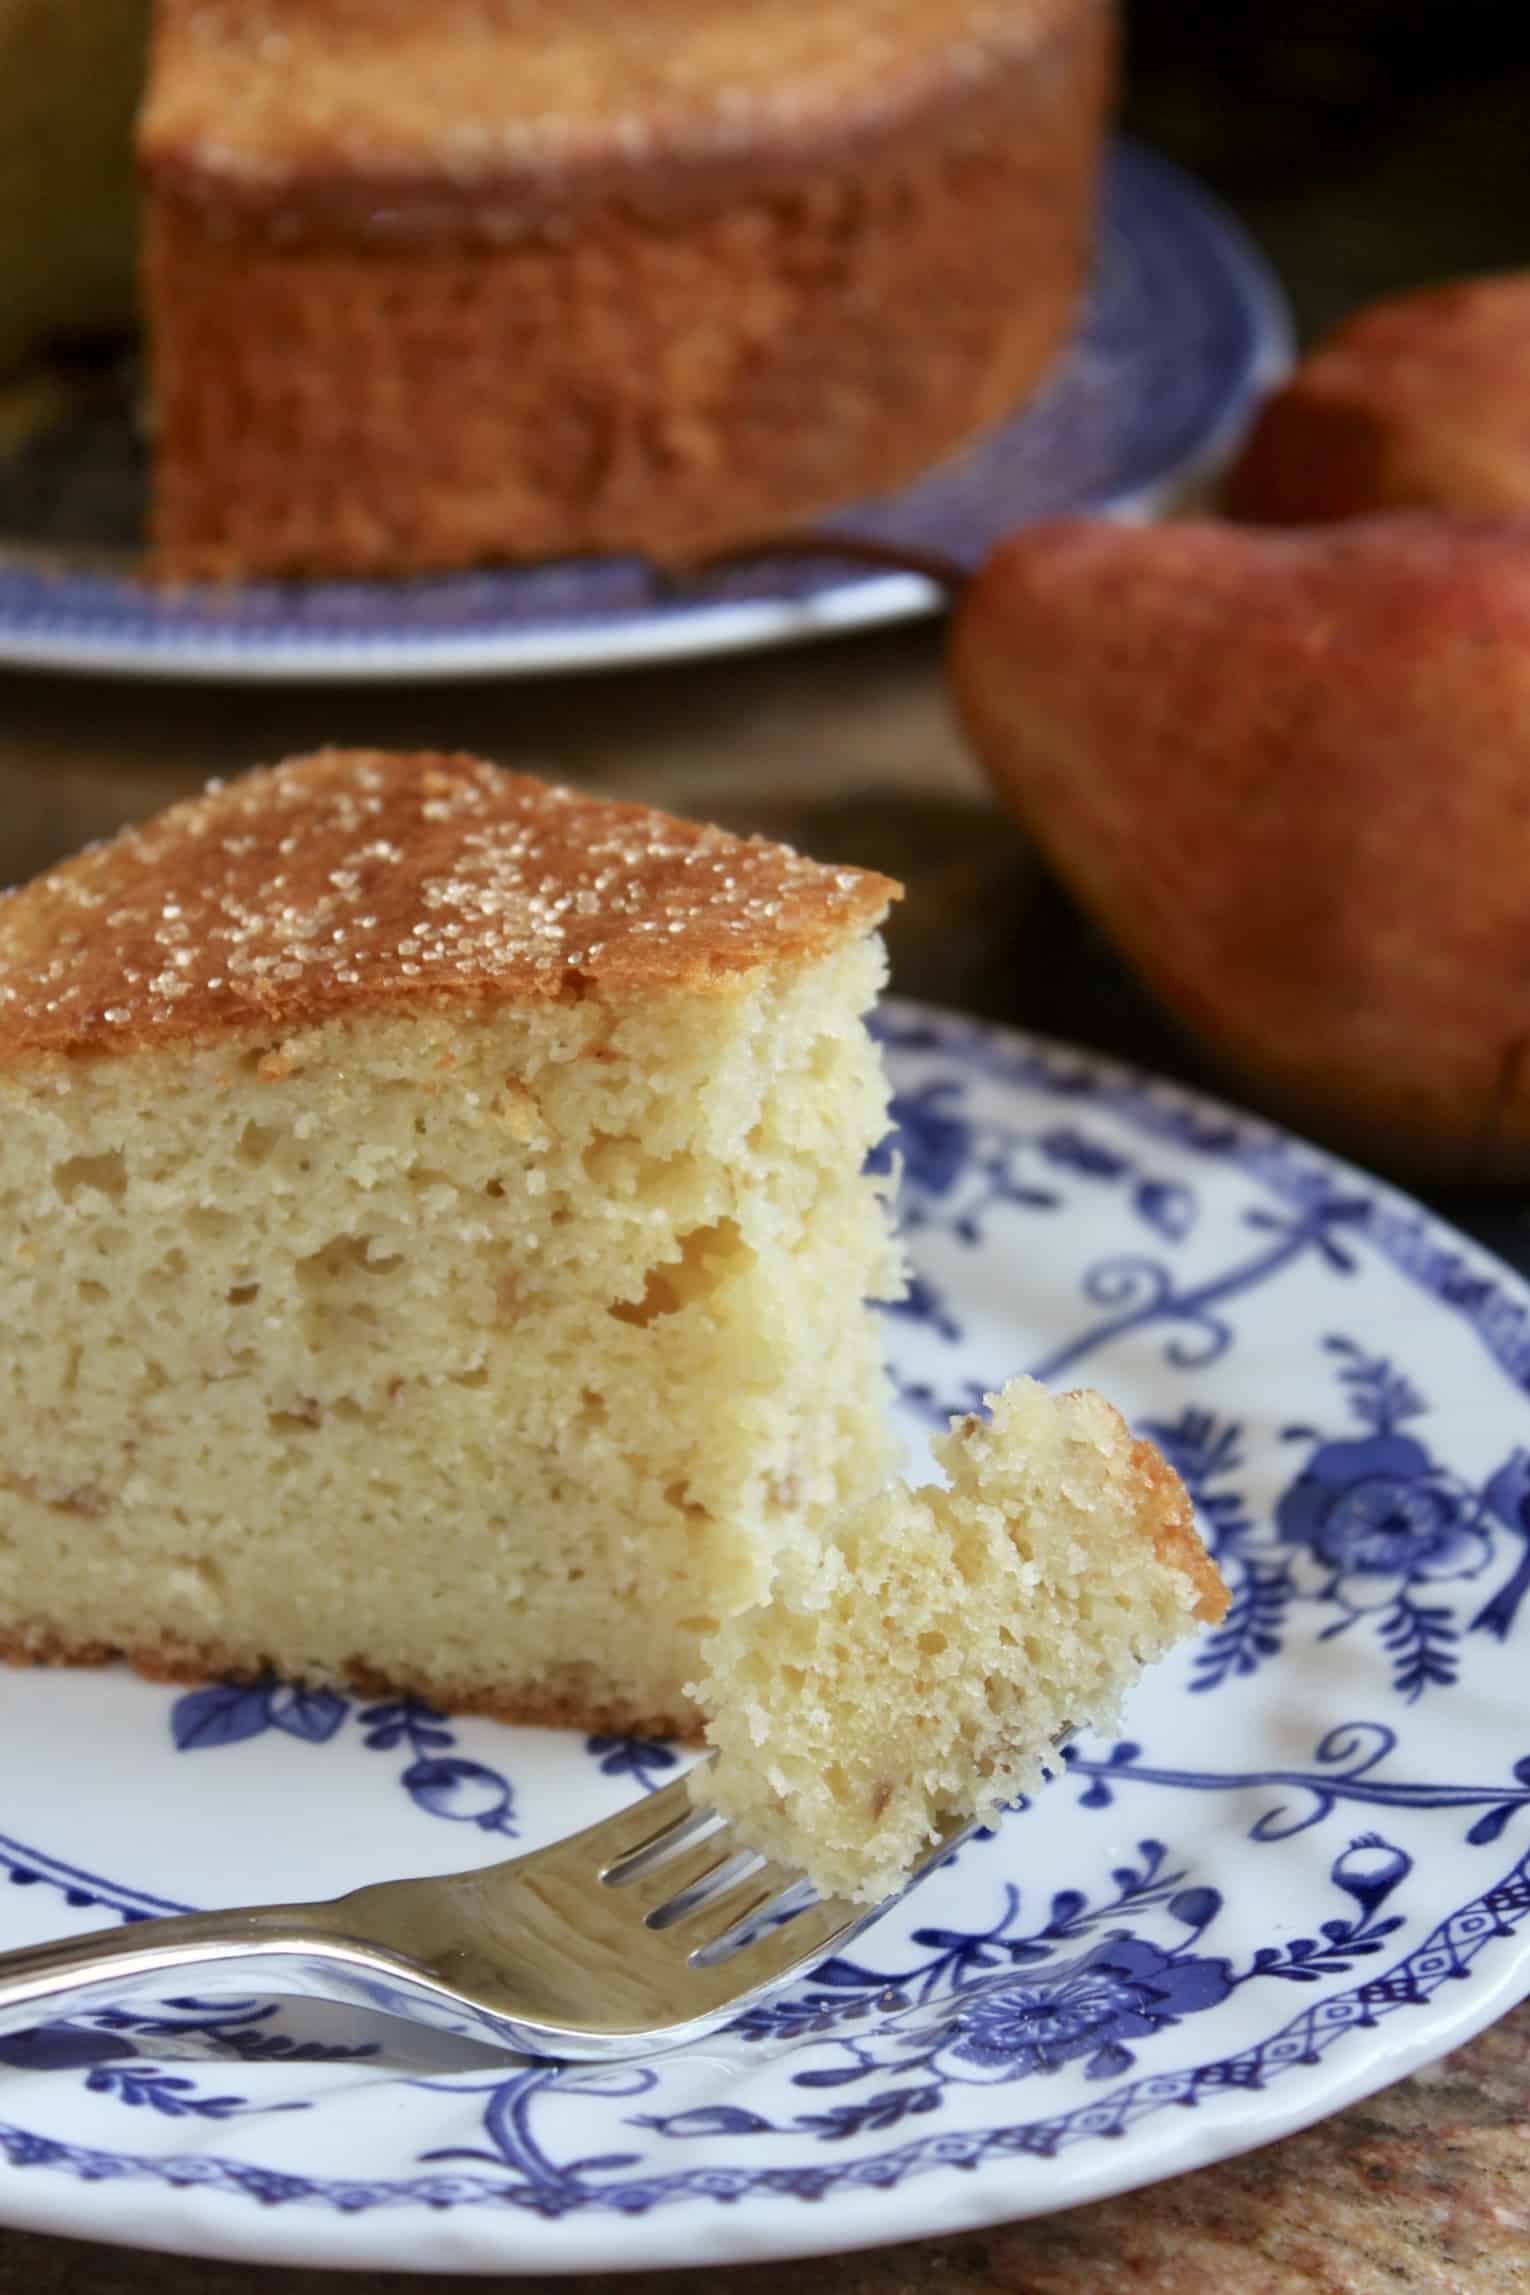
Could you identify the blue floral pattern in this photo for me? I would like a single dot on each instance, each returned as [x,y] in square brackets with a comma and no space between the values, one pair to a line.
[1374,1528]
[1347,1852]
[635,1757]
[436,1779]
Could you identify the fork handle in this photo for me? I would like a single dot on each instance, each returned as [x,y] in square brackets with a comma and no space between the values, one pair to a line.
[292,1946]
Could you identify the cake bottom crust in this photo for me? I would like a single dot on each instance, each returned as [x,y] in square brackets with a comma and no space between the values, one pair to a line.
[539,1705]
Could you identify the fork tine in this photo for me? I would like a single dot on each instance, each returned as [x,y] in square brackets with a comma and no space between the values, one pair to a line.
[736,1866]
[615,1838]
[752,1891]
[641,1862]
[798,1942]
[653,1890]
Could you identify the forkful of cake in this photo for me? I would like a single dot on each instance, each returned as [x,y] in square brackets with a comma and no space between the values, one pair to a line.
[905,1677]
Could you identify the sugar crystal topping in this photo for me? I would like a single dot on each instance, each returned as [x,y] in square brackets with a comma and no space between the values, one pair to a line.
[478,88]
[354,879]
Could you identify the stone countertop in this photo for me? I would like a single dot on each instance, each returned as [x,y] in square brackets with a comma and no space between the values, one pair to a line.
[849,751]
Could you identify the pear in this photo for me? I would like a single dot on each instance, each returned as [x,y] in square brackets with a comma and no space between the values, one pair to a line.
[1289,775]
[1422,401]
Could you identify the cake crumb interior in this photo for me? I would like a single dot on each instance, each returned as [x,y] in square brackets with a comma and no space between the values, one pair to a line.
[923,1661]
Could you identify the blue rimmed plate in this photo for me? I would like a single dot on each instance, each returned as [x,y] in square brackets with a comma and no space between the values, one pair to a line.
[1303,1871]
[1184,331]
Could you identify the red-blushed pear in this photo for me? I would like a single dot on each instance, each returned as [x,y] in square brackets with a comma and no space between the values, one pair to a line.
[1420,401]
[1289,775]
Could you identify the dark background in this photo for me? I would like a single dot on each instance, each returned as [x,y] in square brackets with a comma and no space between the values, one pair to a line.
[1369,144]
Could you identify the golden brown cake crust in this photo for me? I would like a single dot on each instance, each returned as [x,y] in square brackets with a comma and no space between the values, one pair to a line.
[533,1707]
[537,107]
[1165,1515]
[613,336]
[357,881]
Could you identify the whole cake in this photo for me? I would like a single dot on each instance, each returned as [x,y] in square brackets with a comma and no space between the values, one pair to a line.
[430,284]
[433,1201]
[924,1660]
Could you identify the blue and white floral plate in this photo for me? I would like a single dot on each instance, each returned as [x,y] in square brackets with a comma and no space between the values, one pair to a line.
[1303,1870]
[1184,332]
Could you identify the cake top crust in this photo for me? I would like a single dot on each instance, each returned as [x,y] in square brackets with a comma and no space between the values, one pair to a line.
[359,881]
[541,101]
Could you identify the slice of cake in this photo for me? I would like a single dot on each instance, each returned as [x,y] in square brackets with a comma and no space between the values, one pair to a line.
[432,281]
[923,1660]
[436,1238]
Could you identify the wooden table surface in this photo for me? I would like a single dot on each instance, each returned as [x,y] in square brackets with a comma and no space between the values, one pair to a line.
[849,751]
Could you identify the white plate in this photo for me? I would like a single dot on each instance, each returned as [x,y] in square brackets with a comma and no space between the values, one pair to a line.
[1304,1871]
[1183,333]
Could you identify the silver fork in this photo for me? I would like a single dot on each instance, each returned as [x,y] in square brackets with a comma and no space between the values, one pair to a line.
[641,1933]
